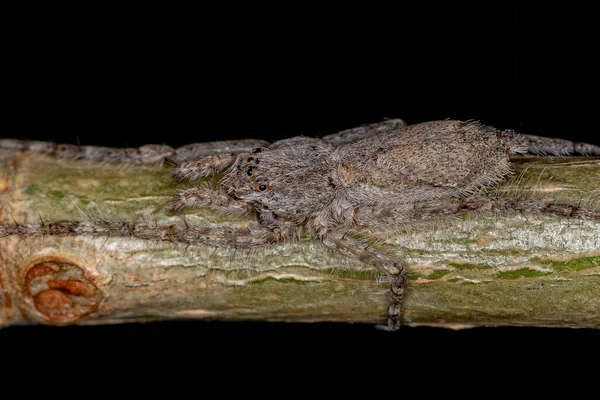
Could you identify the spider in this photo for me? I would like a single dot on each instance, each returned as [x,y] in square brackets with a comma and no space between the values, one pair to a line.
[348,182]
[332,188]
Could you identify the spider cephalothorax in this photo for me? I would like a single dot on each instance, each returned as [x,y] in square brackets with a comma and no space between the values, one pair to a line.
[294,179]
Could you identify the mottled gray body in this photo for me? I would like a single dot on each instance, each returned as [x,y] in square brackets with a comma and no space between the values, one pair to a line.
[329,188]
[324,186]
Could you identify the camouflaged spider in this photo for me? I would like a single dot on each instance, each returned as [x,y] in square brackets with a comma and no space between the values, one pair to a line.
[330,188]
[353,181]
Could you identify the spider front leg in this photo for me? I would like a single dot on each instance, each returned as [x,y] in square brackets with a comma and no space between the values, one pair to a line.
[205,195]
[370,256]
[196,151]
[205,167]
[183,233]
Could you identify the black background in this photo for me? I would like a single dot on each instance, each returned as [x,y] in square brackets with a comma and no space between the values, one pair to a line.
[131,77]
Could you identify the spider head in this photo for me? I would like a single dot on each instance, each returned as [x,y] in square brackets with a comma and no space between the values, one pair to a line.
[287,179]
[244,180]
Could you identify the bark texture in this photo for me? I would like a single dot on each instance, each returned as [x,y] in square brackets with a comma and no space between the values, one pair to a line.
[508,269]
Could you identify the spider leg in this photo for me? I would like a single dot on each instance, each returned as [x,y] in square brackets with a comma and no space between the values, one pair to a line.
[184,232]
[361,132]
[197,151]
[543,146]
[202,196]
[205,167]
[148,154]
[371,256]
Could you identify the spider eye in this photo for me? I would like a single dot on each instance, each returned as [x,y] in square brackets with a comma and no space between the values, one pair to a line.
[250,171]
[262,188]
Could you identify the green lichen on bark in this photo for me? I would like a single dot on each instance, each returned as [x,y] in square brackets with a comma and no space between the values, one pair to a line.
[509,269]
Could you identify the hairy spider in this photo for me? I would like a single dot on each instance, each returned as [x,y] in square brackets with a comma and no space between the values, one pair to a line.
[329,188]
